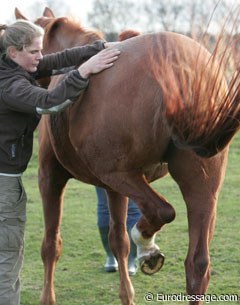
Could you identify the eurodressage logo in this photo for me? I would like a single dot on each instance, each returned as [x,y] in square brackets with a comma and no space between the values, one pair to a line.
[180,297]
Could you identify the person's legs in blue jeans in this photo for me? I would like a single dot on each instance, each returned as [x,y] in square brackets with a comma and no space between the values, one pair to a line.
[132,217]
[103,226]
[111,264]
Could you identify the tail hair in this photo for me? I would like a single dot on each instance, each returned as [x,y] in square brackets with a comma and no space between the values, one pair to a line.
[203,106]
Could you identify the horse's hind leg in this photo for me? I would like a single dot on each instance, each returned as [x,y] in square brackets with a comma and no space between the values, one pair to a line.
[155,213]
[119,243]
[200,181]
[52,180]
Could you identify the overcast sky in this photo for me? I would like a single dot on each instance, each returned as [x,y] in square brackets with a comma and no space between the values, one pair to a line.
[78,9]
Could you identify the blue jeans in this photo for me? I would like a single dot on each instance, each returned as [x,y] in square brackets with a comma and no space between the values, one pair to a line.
[103,212]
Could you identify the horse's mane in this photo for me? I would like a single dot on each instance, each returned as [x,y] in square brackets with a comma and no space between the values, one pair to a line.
[51,25]
[126,34]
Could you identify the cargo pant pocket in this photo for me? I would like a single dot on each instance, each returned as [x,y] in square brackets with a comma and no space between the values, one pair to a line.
[11,260]
[12,198]
[12,234]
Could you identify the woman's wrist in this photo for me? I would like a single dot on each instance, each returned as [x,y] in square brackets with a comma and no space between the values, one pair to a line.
[83,71]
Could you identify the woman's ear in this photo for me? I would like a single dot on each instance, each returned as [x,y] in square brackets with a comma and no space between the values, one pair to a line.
[12,52]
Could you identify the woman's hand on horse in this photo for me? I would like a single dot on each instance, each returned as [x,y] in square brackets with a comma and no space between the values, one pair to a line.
[99,62]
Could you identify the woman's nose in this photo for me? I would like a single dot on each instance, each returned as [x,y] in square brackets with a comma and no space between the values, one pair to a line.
[39,55]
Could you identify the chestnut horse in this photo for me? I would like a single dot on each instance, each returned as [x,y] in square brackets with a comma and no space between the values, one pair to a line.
[125,131]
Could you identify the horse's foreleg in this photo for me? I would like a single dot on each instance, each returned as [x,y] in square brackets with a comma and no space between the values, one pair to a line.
[155,213]
[119,243]
[200,181]
[52,180]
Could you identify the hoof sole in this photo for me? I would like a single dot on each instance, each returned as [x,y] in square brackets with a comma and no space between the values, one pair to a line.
[152,263]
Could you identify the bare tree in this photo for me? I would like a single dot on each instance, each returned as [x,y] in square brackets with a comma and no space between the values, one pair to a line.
[60,7]
[203,16]
[113,16]
[191,17]
[163,15]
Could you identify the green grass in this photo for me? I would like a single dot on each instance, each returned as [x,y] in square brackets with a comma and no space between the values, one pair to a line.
[79,276]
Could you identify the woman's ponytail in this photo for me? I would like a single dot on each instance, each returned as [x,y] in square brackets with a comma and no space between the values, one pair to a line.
[3,28]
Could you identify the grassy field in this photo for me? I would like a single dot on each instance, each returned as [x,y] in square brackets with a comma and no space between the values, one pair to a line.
[79,277]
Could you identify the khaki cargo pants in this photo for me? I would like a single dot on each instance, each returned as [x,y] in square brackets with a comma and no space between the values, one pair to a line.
[12,222]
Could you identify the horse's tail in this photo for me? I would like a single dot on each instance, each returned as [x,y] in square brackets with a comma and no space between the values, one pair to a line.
[202,108]
[209,130]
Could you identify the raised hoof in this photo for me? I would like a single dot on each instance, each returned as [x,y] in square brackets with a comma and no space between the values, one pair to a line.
[152,263]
